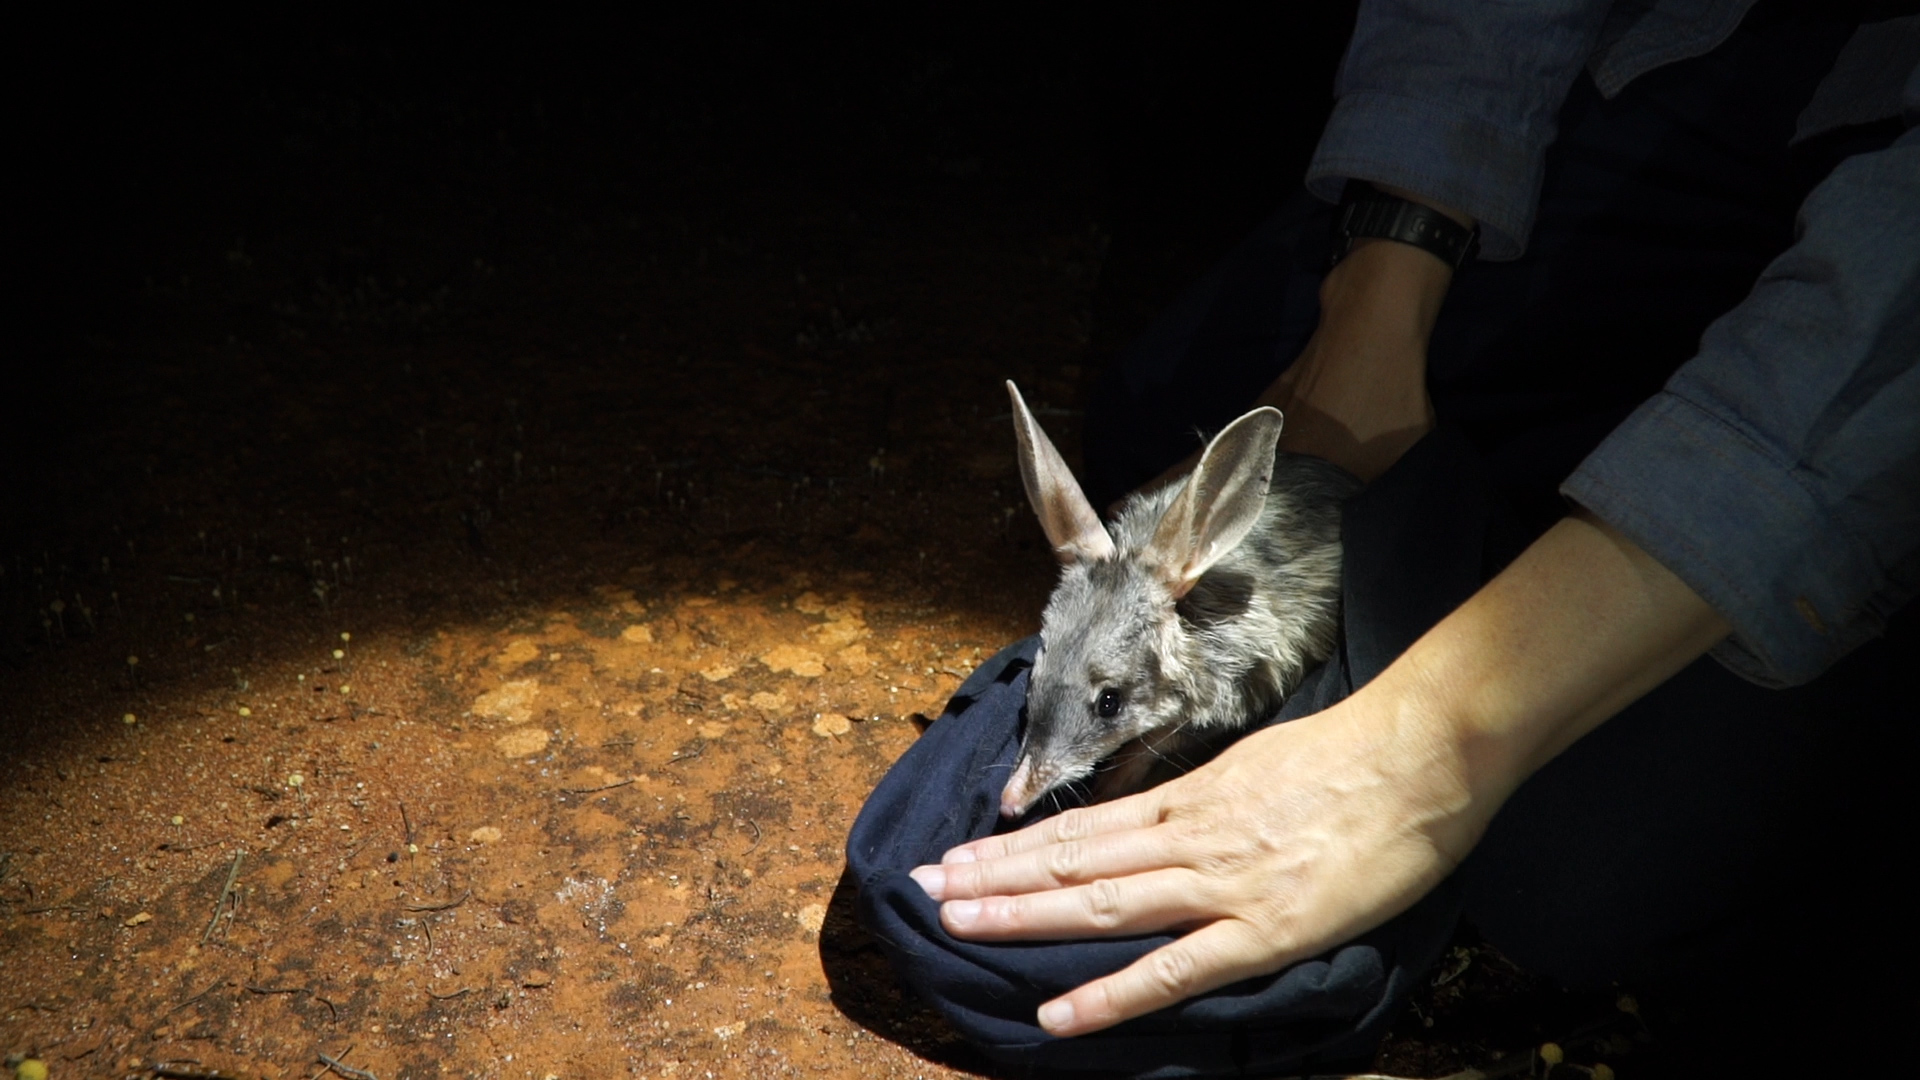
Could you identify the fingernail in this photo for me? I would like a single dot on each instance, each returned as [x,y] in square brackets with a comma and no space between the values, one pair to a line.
[962,912]
[1055,1015]
[957,855]
[931,878]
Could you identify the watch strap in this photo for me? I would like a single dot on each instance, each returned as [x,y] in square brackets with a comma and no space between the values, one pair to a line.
[1367,212]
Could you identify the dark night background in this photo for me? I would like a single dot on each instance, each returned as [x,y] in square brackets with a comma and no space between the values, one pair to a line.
[337,149]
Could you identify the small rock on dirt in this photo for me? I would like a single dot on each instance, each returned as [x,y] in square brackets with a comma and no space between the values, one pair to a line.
[511,702]
[812,917]
[523,741]
[801,661]
[518,652]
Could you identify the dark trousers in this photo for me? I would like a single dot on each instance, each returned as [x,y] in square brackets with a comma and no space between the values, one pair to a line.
[1714,830]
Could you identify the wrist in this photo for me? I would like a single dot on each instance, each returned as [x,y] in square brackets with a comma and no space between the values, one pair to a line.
[1385,289]
[1464,769]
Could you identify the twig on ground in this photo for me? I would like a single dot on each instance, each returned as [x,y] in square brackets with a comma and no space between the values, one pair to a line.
[698,749]
[462,992]
[408,825]
[215,985]
[336,1065]
[450,904]
[233,874]
[756,834]
[602,787]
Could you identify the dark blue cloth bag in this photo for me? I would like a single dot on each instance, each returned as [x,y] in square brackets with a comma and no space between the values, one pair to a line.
[1414,550]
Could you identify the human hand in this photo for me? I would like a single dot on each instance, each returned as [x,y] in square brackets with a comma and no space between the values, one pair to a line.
[1293,840]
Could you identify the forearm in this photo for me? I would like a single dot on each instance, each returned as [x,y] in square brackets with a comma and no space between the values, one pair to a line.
[1577,628]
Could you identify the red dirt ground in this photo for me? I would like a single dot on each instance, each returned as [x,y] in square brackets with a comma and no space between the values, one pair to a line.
[533,552]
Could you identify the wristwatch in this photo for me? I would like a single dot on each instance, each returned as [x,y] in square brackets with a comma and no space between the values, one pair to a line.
[1366,211]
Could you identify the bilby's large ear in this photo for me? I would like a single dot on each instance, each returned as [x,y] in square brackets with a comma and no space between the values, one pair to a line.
[1066,516]
[1220,503]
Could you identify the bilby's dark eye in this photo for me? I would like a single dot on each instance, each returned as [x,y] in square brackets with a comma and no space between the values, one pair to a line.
[1108,705]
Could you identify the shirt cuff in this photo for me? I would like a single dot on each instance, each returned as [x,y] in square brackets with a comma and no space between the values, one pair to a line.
[1709,503]
[1460,161]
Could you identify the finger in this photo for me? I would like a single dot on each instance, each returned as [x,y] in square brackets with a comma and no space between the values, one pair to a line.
[1108,907]
[1054,866]
[1211,957]
[1132,812]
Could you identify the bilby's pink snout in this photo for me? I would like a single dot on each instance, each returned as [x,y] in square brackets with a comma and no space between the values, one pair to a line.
[1019,793]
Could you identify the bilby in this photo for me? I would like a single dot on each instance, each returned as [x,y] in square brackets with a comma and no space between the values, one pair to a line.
[1195,612]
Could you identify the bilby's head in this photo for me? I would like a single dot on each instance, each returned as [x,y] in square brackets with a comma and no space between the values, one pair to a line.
[1111,634]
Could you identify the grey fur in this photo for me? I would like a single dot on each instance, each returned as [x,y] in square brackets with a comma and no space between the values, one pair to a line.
[1192,669]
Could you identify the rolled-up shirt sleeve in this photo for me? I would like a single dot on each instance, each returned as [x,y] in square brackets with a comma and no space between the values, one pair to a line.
[1460,109]
[1778,472]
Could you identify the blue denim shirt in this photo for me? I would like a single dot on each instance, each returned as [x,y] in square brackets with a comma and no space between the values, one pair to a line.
[1778,472]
